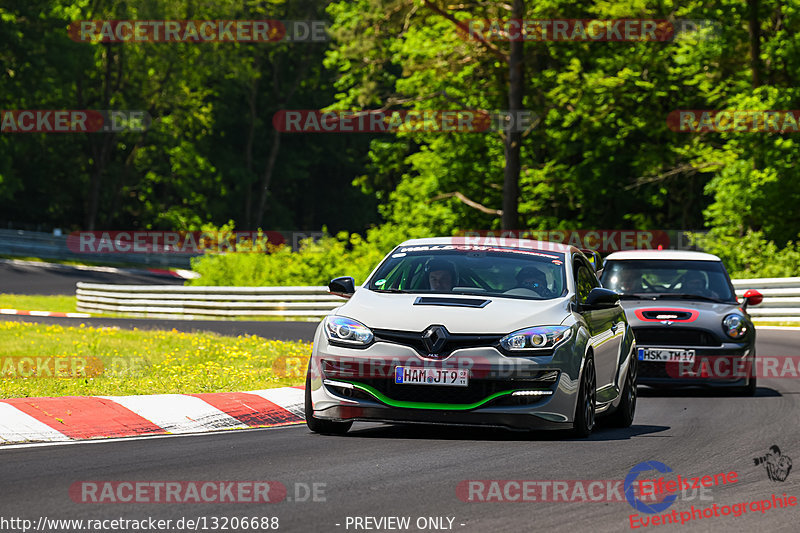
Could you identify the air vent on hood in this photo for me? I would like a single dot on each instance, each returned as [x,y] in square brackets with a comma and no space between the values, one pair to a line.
[667,315]
[659,314]
[451,302]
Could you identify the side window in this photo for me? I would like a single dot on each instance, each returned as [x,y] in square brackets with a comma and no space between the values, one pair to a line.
[585,281]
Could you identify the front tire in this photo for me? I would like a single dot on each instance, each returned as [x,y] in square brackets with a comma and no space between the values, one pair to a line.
[623,416]
[326,427]
[587,401]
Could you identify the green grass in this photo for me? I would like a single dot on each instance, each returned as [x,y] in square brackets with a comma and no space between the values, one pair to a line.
[36,302]
[112,361]
[758,323]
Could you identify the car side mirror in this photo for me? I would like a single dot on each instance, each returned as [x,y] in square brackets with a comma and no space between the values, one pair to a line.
[600,298]
[344,286]
[594,259]
[752,297]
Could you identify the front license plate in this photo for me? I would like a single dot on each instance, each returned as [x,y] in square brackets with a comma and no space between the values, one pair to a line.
[666,356]
[451,377]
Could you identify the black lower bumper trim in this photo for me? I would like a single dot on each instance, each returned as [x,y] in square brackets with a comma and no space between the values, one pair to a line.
[697,382]
[521,421]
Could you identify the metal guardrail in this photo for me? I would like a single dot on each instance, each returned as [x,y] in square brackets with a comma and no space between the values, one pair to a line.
[49,246]
[781,298]
[170,301]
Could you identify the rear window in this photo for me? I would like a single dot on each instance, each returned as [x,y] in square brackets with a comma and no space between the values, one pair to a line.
[705,279]
[498,271]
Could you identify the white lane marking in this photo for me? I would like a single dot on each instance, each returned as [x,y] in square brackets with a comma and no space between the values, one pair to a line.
[138,437]
[779,328]
[16,426]
[291,399]
[8,311]
[178,413]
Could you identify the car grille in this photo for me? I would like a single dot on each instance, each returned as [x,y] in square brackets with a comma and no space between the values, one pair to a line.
[477,390]
[671,336]
[702,368]
[653,369]
[454,341]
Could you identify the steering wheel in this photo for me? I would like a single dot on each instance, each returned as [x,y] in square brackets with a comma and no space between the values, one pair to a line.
[524,291]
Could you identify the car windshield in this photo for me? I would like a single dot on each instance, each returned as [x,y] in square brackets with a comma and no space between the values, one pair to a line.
[480,270]
[659,278]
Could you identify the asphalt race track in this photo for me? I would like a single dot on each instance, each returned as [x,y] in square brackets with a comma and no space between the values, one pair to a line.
[382,471]
[49,278]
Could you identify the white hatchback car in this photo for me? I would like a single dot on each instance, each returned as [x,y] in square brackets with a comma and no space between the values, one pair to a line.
[517,335]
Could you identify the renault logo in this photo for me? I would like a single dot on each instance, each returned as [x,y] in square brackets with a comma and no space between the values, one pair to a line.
[434,338]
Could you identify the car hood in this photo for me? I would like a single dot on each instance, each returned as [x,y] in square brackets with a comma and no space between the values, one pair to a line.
[499,316]
[702,314]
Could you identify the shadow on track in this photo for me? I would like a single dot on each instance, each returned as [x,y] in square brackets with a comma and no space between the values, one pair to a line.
[432,432]
[701,392]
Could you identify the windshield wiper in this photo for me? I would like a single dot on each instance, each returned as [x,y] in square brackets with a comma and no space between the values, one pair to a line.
[634,296]
[375,289]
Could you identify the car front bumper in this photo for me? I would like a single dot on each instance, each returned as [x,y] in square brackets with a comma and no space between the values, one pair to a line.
[729,365]
[358,384]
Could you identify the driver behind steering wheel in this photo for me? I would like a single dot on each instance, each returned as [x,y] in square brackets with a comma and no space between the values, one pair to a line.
[533,279]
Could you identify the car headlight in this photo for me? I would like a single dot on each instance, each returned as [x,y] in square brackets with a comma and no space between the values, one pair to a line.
[347,330]
[734,325]
[536,338]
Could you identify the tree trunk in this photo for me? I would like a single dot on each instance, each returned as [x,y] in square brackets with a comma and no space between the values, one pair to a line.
[100,153]
[513,140]
[267,178]
[755,42]
[248,151]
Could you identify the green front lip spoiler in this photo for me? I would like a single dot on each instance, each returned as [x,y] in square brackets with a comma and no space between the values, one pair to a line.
[425,405]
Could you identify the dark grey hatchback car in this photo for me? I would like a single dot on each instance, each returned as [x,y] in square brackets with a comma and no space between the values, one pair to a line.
[688,325]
